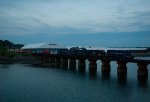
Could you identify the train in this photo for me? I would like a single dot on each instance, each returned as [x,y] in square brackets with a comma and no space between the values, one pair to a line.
[71,51]
[85,52]
[55,49]
[119,54]
[76,51]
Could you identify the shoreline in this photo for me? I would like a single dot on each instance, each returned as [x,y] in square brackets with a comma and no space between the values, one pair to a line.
[18,59]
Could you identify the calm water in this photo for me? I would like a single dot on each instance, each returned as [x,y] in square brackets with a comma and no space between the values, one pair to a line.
[24,83]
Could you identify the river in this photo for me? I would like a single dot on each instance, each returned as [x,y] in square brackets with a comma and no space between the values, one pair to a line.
[25,83]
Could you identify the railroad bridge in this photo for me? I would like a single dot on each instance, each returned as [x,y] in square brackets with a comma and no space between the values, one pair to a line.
[49,55]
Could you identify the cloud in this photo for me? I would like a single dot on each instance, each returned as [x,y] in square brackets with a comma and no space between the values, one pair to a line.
[73,16]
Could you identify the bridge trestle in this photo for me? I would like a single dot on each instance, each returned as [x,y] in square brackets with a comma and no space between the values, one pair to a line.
[142,71]
[81,65]
[62,62]
[122,69]
[105,68]
[72,64]
[92,65]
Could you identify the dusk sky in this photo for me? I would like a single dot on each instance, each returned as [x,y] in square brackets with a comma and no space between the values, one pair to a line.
[76,22]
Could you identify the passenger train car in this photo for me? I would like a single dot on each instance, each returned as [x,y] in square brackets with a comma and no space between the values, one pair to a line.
[120,54]
[72,51]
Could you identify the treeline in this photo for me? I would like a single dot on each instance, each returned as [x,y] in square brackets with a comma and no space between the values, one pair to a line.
[5,45]
[9,45]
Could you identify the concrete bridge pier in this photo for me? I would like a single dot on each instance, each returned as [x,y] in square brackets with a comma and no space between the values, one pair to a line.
[64,62]
[105,68]
[44,59]
[57,62]
[122,69]
[81,65]
[51,59]
[92,66]
[72,64]
[142,71]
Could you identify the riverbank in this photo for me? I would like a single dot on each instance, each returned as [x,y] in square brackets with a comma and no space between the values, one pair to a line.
[18,59]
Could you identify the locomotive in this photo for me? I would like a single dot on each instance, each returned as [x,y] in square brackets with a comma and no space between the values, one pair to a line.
[120,54]
[84,52]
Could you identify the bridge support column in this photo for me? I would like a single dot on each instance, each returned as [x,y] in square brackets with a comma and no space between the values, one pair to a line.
[51,59]
[142,71]
[64,62]
[92,65]
[44,59]
[122,69]
[57,62]
[81,65]
[105,67]
[72,64]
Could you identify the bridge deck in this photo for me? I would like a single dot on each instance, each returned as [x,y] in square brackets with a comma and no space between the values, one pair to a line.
[91,57]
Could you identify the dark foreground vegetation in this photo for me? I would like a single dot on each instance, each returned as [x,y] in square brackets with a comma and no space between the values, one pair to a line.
[7,57]
[5,45]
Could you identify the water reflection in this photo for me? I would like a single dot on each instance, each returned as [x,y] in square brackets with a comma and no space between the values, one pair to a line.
[142,82]
[81,70]
[105,76]
[72,69]
[4,65]
[93,75]
[122,81]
